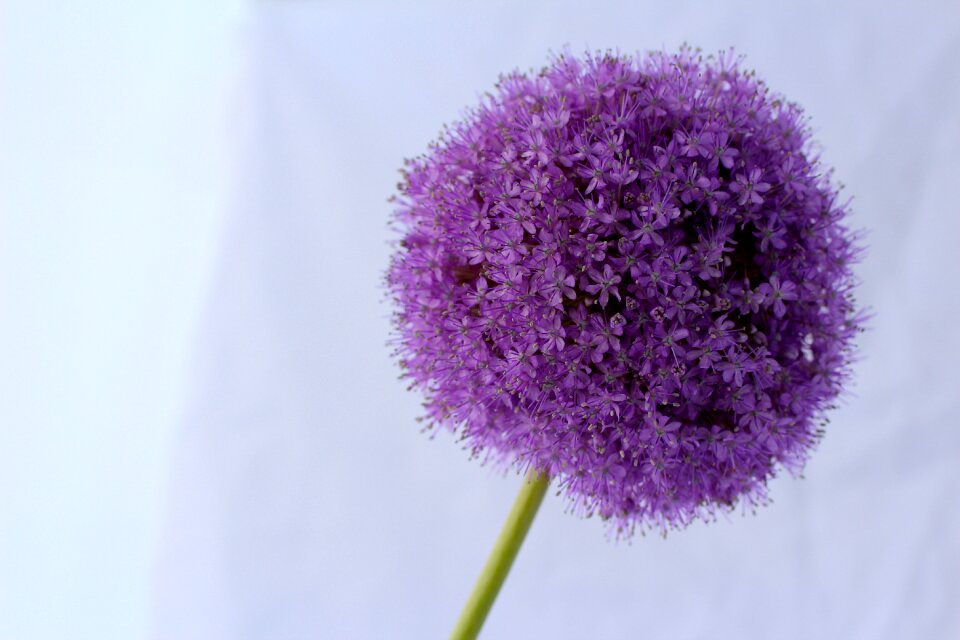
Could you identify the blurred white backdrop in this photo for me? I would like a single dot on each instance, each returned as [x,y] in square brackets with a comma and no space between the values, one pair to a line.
[202,435]
[116,148]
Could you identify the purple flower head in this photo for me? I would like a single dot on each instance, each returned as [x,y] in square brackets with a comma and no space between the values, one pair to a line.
[634,274]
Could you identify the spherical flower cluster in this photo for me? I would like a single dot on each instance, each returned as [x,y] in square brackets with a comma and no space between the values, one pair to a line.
[632,273]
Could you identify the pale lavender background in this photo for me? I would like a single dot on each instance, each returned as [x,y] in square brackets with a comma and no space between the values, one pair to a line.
[268,481]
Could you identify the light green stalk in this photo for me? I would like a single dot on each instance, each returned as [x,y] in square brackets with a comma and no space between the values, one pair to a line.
[501,557]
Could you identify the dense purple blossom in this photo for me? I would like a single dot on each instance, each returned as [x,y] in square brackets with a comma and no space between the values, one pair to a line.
[633,273]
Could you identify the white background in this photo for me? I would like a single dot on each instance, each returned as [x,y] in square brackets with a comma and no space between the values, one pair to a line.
[202,434]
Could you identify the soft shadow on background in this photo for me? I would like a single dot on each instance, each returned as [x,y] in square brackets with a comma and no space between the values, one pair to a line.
[202,434]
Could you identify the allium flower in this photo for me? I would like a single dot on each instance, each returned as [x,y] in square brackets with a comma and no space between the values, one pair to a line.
[633,274]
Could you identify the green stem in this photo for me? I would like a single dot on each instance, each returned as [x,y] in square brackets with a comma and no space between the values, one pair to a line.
[501,557]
